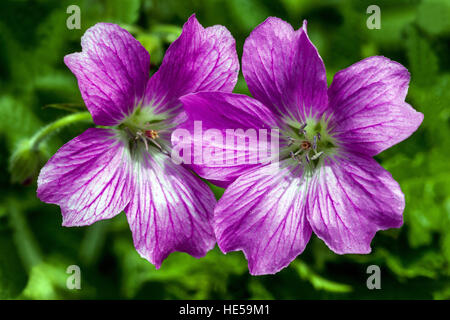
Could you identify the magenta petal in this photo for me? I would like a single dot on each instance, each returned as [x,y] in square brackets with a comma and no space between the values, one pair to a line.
[367,102]
[112,72]
[284,70]
[89,177]
[201,59]
[263,214]
[350,199]
[171,210]
[222,112]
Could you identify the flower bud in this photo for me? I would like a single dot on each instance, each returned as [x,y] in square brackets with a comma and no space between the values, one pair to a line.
[26,162]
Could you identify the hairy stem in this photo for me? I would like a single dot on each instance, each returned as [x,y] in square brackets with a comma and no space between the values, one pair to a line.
[51,128]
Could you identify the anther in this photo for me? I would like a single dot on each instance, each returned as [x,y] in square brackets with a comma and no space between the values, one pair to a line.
[317,155]
[152,134]
[302,129]
[307,158]
[291,141]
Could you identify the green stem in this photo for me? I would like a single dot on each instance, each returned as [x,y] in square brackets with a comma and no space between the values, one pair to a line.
[29,251]
[46,132]
[93,242]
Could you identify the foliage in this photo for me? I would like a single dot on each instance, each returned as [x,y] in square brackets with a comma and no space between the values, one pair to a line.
[36,250]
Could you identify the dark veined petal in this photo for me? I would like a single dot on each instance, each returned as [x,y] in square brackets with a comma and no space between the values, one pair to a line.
[171,209]
[201,59]
[367,101]
[89,177]
[247,122]
[263,214]
[112,72]
[350,199]
[284,70]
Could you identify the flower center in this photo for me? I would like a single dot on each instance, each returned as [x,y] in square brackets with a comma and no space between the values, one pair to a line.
[305,145]
[147,128]
[308,143]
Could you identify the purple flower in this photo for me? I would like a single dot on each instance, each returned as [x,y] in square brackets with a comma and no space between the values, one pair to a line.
[126,167]
[326,180]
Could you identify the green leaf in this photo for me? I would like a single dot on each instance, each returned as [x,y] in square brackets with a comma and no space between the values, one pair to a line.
[433,16]
[394,21]
[120,11]
[18,122]
[428,264]
[183,276]
[153,44]
[255,13]
[48,281]
[422,59]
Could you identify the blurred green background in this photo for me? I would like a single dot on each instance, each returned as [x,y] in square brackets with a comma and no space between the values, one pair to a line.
[36,88]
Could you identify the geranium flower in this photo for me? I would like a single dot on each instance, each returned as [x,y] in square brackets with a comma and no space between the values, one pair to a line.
[326,180]
[126,167]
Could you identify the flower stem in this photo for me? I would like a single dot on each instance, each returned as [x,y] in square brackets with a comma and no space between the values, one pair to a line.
[51,128]
[29,251]
[93,242]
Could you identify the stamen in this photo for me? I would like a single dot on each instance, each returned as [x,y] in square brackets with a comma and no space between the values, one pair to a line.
[145,136]
[157,144]
[140,135]
[145,142]
[308,146]
[302,129]
[152,134]
[307,158]
[317,155]
[291,141]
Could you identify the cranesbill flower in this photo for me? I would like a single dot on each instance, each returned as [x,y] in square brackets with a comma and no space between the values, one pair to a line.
[326,180]
[126,167]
